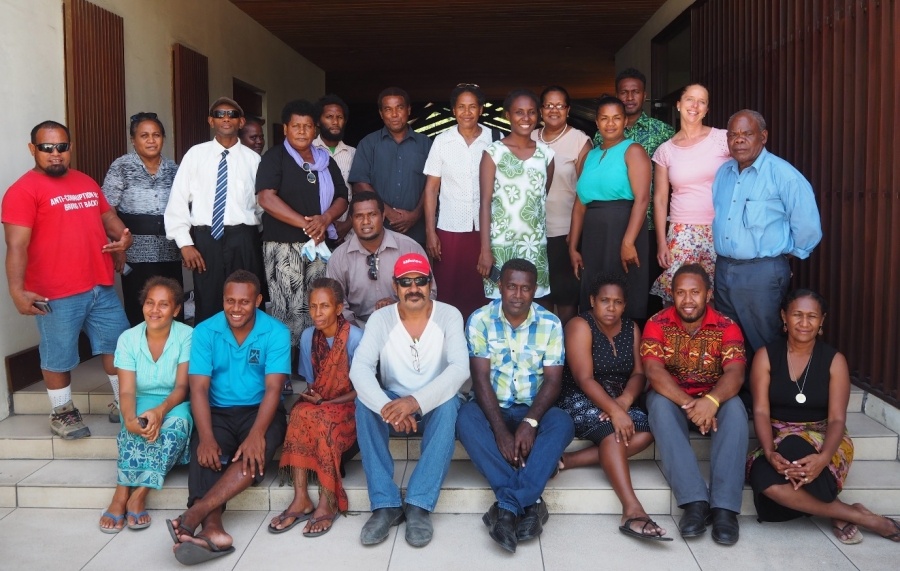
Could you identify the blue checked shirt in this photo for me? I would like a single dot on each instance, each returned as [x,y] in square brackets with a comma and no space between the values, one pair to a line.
[518,356]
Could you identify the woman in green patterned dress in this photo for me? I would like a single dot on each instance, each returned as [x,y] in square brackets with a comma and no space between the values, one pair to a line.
[515,175]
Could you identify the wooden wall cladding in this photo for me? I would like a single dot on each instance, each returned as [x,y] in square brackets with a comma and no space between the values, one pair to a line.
[191,97]
[826,76]
[95,86]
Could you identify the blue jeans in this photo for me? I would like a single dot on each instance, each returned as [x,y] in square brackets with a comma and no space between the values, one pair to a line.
[670,426]
[515,489]
[438,440]
[98,312]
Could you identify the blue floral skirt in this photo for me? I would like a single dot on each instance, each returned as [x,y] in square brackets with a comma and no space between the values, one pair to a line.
[145,464]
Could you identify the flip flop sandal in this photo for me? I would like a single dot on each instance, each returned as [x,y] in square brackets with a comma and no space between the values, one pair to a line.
[136,526]
[190,553]
[173,532]
[893,536]
[626,529]
[857,536]
[298,517]
[116,519]
[314,521]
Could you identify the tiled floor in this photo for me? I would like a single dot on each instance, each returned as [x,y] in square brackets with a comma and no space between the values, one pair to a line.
[68,539]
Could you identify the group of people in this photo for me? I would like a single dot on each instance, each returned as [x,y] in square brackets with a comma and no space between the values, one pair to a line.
[539,238]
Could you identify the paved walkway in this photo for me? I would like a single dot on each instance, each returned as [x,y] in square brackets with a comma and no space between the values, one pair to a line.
[69,539]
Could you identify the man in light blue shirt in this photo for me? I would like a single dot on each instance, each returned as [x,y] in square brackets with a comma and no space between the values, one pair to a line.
[765,212]
[240,358]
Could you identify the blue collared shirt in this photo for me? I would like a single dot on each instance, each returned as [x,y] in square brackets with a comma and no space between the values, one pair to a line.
[395,170]
[238,372]
[518,356]
[767,210]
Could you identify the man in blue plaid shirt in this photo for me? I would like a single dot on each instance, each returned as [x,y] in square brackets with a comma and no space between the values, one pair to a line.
[516,357]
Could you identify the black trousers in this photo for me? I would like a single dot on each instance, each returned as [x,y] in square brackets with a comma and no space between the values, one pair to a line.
[238,249]
[135,280]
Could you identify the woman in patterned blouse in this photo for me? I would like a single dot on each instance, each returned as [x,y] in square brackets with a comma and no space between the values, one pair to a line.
[137,186]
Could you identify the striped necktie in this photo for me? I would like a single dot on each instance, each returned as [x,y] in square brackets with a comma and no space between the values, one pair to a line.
[218,217]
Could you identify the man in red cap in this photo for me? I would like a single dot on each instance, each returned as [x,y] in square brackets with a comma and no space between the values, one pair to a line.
[420,348]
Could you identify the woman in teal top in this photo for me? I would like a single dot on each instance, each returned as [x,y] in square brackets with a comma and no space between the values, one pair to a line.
[609,217]
[152,360]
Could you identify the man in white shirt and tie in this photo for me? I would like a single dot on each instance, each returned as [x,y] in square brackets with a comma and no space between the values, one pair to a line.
[212,212]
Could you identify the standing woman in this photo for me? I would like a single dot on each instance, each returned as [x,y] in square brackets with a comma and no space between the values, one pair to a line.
[152,360]
[452,169]
[302,192]
[570,147]
[686,165]
[515,174]
[137,186]
[609,216]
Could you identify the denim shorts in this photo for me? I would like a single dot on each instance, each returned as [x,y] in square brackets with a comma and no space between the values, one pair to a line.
[98,312]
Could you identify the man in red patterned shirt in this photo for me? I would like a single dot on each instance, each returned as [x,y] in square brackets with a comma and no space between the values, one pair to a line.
[694,358]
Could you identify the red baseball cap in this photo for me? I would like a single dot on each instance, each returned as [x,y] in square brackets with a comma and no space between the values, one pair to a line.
[412,264]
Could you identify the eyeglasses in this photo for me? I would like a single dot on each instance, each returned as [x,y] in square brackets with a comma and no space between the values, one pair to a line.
[142,116]
[372,260]
[420,281]
[557,106]
[220,113]
[48,147]
[475,85]
[310,176]
[415,355]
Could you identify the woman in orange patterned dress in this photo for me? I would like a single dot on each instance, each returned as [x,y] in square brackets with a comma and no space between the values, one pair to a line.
[322,425]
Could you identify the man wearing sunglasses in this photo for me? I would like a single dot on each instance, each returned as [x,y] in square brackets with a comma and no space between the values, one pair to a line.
[419,348]
[512,431]
[362,263]
[212,212]
[61,236]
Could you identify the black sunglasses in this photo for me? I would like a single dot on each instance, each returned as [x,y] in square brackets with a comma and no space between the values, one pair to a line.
[142,116]
[220,113]
[421,281]
[372,260]
[48,147]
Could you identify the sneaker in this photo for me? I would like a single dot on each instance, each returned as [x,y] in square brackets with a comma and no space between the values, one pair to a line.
[66,422]
[114,415]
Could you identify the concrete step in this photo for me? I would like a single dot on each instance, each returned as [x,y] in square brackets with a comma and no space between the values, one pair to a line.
[89,484]
[28,437]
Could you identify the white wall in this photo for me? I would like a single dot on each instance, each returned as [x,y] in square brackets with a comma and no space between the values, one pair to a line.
[33,88]
[636,53]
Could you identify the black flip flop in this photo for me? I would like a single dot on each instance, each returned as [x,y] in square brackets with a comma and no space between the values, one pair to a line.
[172,531]
[298,518]
[626,529]
[189,553]
[314,521]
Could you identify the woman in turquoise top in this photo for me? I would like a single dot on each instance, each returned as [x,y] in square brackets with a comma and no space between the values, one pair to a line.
[152,360]
[610,214]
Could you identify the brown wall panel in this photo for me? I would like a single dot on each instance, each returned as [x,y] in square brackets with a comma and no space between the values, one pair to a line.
[825,74]
[95,86]
[191,97]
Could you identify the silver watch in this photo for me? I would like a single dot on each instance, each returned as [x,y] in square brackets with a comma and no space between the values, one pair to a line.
[531,421]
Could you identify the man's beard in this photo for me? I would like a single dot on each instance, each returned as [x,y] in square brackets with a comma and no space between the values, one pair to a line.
[56,171]
[329,136]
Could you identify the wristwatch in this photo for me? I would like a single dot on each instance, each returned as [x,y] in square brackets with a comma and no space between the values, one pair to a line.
[531,421]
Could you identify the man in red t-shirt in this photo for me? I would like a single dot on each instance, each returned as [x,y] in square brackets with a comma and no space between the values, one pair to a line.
[694,359]
[61,236]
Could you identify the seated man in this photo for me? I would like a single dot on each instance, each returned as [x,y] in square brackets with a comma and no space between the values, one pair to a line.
[516,355]
[694,359]
[421,348]
[239,360]
[357,263]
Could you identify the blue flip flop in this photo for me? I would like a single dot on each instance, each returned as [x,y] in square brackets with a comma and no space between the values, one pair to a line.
[137,516]
[116,519]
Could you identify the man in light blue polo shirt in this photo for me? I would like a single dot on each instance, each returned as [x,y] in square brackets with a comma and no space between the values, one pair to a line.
[765,213]
[240,358]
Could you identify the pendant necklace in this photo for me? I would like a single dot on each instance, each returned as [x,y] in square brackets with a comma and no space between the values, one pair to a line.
[801,398]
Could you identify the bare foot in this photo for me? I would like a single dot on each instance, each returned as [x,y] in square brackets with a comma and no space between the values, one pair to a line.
[642,524]
[883,526]
[845,531]
[135,505]
[322,519]
[297,506]
[116,508]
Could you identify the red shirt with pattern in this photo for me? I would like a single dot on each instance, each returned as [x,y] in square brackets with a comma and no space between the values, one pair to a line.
[697,360]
